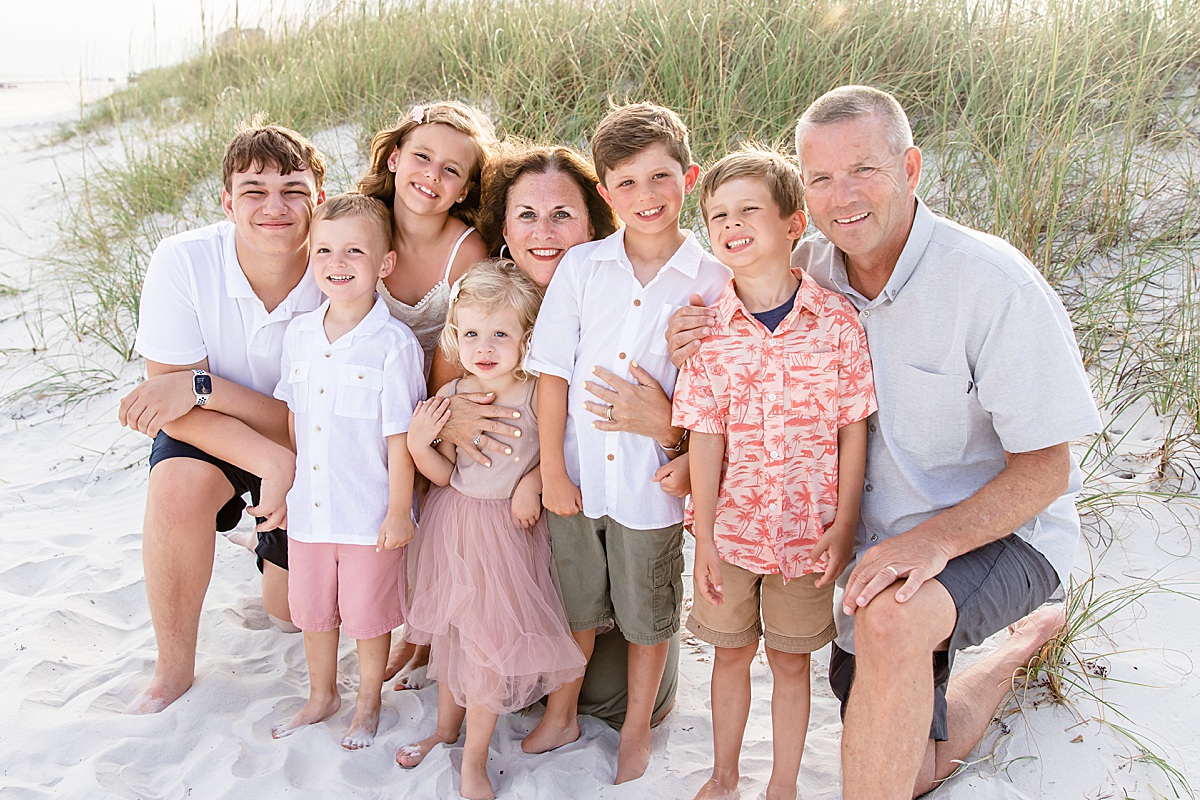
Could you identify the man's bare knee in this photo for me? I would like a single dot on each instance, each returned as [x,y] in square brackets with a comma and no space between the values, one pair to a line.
[183,490]
[915,627]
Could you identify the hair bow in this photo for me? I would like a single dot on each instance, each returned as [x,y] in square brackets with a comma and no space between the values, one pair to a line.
[418,114]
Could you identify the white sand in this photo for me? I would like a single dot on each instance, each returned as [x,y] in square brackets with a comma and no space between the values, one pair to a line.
[76,642]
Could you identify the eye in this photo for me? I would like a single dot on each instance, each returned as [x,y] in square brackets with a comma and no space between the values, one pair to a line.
[297,193]
[322,249]
[625,182]
[660,175]
[355,250]
[452,170]
[529,215]
[501,334]
[865,170]
[716,215]
[421,156]
[469,334]
[818,179]
[748,209]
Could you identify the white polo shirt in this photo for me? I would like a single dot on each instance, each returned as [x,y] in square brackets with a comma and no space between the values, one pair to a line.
[974,356]
[197,303]
[347,397]
[596,313]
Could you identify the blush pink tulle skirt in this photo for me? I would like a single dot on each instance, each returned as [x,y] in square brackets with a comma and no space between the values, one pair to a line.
[484,599]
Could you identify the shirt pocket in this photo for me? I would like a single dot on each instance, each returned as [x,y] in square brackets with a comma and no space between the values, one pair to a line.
[658,337]
[297,379]
[929,412]
[359,392]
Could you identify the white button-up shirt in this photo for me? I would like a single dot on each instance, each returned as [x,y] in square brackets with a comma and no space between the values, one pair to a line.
[974,356]
[347,396]
[197,303]
[597,313]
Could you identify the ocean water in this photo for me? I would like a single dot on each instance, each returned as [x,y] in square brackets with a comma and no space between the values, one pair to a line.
[56,55]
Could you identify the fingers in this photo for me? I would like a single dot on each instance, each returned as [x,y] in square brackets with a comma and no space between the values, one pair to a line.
[599,409]
[601,391]
[475,453]
[277,518]
[643,377]
[680,353]
[479,398]
[864,585]
[380,541]
[912,583]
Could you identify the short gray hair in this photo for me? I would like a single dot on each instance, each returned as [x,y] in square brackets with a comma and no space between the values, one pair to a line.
[851,102]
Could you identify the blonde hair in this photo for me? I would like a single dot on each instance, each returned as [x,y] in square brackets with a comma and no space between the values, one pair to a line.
[380,182]
[351,205]
[778,174]
[626,131]
[490,286]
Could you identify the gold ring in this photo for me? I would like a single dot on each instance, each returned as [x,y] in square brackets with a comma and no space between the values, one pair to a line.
[609,414]
[892,570]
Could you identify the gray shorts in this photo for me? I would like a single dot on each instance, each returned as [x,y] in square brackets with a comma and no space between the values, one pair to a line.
[608,571]
[992,587]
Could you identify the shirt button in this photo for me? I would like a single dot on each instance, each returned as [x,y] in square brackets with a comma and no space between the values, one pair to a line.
[637,302]
[867,313]
[611,457]
[361,376]
[316,467]
[871,428]
[771,396]
[774,454]
[328,354]
[621,356]
[874,537]
[316,503]
[774,506]
[317,428]
[321,390]
[869,488]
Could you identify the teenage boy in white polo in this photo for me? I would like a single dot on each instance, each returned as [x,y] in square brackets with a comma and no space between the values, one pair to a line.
[214,307]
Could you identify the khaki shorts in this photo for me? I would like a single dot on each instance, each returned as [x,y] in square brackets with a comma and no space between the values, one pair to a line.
[608,571]
[798,617]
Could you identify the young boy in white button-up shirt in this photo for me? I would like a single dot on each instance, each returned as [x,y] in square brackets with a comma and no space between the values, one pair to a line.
[608,305]
[351,377]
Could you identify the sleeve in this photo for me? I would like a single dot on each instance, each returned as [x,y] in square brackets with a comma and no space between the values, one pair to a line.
[1029,375]
[168,321]
[556,332]
[403,384]
[856,384]
[694,405]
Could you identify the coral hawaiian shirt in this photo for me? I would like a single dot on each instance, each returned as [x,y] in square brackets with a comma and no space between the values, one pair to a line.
[779,399]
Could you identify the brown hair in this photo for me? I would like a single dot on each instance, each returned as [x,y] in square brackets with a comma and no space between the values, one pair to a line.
[491,285]
[626,131]
[353,204]
[259,146]
[780,176]
[520,158]
[380,182]
[851,102]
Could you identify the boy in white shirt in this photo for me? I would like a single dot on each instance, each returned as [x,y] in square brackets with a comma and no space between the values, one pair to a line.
[608,305]
[351,377]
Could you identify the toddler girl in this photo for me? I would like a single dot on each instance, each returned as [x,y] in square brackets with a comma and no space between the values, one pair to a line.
[483,591]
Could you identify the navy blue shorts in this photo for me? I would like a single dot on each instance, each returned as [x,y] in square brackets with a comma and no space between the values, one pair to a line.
[992,587]
[272,545]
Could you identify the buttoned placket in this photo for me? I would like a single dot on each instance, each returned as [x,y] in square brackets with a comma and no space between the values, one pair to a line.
[322,394]
[638,308]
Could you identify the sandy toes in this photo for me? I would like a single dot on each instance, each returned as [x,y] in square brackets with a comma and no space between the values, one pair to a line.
[314,711]
[412,677]
[363,727]
[714,790]
[413,754]
[547,736]
[157,696]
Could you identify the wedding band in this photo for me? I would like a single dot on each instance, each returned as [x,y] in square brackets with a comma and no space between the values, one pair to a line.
[476,441]
[609,414]
[892,570]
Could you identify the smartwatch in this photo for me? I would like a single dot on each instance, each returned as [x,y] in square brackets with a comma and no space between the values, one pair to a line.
[202,386]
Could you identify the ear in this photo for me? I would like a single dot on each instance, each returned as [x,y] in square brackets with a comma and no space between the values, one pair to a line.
[690,177]
[604,193]
[393,158]
[912,168]
[227,205]
[389,264]
[320,197]
[796,224]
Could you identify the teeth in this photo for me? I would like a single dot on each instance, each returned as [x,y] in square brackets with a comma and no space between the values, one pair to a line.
[544,253]
[649,212]
[423,190]
[340,278]
[848,220]
[737,243]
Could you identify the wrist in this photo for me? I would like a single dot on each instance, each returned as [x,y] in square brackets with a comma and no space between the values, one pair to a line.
[202,386]
[672,441]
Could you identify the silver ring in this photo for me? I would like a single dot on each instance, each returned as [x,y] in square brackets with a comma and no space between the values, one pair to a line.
[892,570]
[476,441]
[609,414]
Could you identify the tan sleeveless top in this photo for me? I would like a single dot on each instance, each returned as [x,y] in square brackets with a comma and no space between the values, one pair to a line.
[428,316]
[499,481]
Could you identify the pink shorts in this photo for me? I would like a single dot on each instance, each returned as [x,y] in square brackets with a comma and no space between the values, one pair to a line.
[346,585]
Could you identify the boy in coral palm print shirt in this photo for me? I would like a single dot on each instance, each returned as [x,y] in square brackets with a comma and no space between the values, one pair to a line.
[777,400]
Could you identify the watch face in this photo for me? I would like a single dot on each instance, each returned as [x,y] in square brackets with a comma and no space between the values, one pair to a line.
[202,384]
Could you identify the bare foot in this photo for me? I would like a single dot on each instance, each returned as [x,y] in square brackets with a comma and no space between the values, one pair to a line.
[633,754]
[716,789]
[314,711]
[246,539]
[413,754]
[158,695]
[413,677]
[475,782]
[780,792]
[400,654]
[361,732]
[1030,633]
[549,735]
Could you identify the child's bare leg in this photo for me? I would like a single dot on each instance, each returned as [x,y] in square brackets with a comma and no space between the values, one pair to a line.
[730,692]
[475,782]
[646,663]
[789,720]
[560,723]
[320,651]
[372,659]
[399,655]
[449,725]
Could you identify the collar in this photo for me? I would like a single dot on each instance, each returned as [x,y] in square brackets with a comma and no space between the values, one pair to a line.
[375,319]
[919,237]
[808,296]
[686,260]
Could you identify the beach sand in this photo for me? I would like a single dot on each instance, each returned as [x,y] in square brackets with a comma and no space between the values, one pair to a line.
[76,642]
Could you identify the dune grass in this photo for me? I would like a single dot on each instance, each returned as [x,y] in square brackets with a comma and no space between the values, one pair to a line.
[1065,127]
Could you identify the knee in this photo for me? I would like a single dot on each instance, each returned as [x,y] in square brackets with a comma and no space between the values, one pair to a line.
[789,667]
[899,629]
[735,657]
[182,490]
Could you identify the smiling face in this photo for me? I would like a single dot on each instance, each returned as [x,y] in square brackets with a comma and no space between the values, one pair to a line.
[747,230]
[348,257]
[271,212]
[433,166]
[489,342]
[647,190]
[546,215]
[860,192]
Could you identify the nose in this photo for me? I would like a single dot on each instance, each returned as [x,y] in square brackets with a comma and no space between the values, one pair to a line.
[274,204]
[543,227]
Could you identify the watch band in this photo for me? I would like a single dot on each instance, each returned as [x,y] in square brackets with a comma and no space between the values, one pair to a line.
[201,386]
